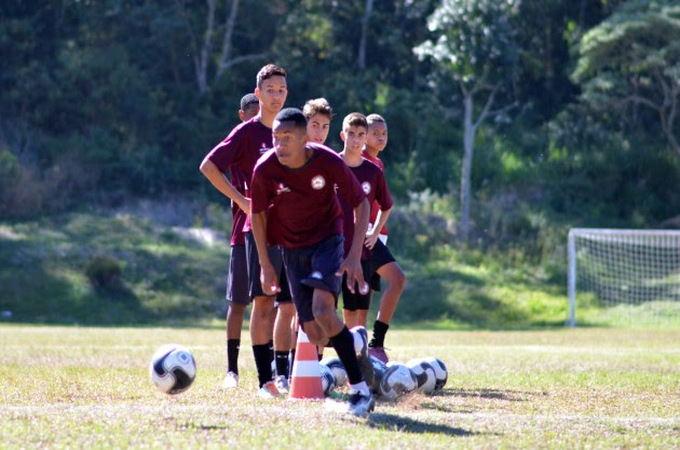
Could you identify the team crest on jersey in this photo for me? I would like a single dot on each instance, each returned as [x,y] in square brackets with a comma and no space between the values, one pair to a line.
[318,182]
[366,186]
[281,188]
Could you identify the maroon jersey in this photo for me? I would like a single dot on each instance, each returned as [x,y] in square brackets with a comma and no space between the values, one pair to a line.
[302,205]
[372,181]
[375,206]
[237,155]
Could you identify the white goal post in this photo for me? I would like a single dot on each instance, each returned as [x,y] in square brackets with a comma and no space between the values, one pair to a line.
[633,272]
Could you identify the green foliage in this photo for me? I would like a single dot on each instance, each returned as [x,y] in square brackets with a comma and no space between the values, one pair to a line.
[104,272]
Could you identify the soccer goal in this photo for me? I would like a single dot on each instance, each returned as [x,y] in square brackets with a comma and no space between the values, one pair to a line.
[629,276]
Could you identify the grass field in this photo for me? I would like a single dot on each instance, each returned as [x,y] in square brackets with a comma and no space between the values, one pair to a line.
[79,387]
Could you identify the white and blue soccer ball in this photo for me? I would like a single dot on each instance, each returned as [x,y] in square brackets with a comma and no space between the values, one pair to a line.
[379,369]
[172,368]
[424,373]
[397,381]
[360,336]
[440,372]
[338,370]
[327,380]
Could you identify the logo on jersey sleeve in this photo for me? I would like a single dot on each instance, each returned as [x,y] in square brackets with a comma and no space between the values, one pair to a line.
[366,186]
[318,182]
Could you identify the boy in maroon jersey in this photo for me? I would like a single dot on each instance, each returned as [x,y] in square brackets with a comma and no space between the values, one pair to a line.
[250,107]
[372,180]
[293,187]
[237,155]
[387,267]
[237,279]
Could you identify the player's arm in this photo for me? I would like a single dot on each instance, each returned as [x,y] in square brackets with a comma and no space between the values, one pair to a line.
[220,181]
[374,233]
[352,263]
[268,278]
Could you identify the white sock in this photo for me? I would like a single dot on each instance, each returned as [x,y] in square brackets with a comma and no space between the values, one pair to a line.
[359,387]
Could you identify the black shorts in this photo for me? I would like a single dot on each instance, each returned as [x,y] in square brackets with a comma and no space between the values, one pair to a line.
[357,300]
[380,255]
[312,268]
[237,279]
[276,258]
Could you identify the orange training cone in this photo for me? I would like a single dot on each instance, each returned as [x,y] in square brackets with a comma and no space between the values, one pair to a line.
[306,376]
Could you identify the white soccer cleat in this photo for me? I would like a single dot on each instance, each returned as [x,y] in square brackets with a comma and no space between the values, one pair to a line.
[230,381]
[268,391]
[360,405]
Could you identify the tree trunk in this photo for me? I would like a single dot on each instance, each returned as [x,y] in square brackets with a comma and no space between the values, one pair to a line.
[361,60]
[466,171]
[228,33]
[201,61]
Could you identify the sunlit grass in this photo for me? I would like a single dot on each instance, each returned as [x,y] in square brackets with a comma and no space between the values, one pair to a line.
[82,387]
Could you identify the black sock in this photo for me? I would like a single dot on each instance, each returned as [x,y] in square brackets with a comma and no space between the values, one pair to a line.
[291,360]
[233,347]
[281,363]
[263,362]
[343,343]
[379,331]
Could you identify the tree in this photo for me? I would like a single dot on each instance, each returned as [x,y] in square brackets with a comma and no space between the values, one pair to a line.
[632,59]
[203,48]
[474,49]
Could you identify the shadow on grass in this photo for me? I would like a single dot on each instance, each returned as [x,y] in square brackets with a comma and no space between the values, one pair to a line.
[491,394]
[393,422]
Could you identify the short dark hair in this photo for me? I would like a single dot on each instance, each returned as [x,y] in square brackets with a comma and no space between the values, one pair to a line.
[248,100]
[375,118]
[292,115]
[354,119]
[317,106]
[268,71]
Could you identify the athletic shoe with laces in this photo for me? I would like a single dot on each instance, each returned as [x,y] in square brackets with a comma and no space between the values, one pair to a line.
[268,391]
[230,381]
[379,353]
[282,385]
[360,405]
[365,364]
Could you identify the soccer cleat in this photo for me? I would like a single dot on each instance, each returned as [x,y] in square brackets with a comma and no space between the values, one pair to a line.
[282,385]
[230,381]
[379,353]
[268,391]
[365,364]
[360,404]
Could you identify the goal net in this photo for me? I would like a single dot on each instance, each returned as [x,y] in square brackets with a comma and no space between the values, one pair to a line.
[626,277]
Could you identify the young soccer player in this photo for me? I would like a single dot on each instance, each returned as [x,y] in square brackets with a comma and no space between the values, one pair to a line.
[387,267]
[250,107]
[318,113]
[293,190]
[372,180]
[237,155]
[237,279]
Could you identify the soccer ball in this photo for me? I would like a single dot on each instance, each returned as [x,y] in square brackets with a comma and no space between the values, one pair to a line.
[440,372]
[339,372]
[327,380]
[172,368]
[398,380]
[379,369]
[424,373]
[360,336]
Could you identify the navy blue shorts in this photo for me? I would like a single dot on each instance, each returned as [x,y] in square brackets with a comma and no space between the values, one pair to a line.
[313,267]
[237,279]
[276,258]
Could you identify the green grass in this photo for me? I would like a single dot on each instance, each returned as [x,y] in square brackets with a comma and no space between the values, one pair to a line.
[169,275]
[84,387]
